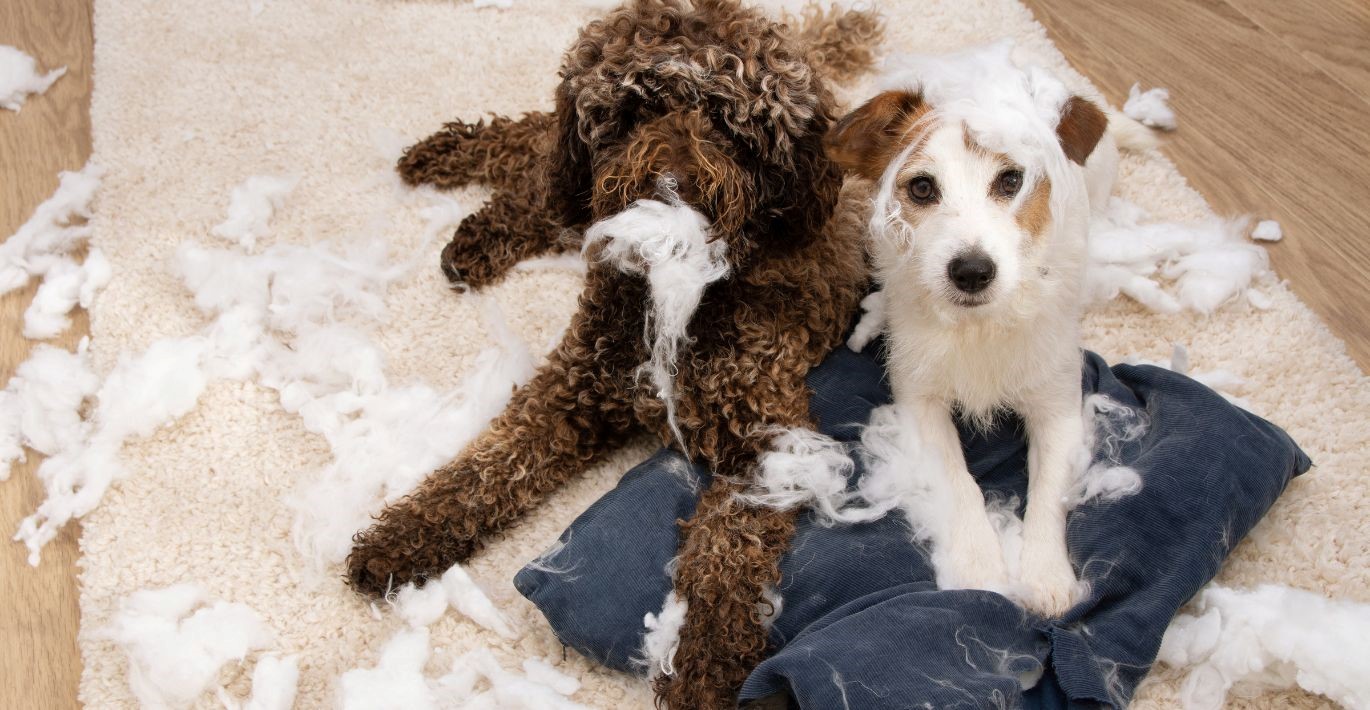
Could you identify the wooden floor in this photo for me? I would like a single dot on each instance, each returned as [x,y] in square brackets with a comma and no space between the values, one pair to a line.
[1273,98]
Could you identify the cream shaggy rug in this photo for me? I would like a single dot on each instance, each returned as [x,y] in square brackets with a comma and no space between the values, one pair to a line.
[193,97]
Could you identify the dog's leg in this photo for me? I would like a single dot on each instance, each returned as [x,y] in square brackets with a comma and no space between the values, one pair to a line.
[514,225]
[729,557]
[555,427]
[1055,433]
[966,551]
[501,153]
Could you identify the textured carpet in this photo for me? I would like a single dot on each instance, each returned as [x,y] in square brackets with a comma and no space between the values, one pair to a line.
[191,98]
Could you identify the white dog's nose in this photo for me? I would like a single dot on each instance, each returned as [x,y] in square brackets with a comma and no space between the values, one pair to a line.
[972,271]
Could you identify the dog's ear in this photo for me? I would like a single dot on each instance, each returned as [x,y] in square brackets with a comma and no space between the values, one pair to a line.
[569,171]
[1082,126]
[864,140]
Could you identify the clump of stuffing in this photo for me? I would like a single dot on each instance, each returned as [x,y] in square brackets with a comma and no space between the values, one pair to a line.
[396,682]
[176,642]
[65,285]
[421,606]
[663,636]
[508,690]
[251,206]
[1210,262]
[1267,230]
[1150,107]
[1270,637]
[41,406]
[49,234]
[274,683]
[668,243]
[1100,473]
[802,467]
[872,321]
[19,77]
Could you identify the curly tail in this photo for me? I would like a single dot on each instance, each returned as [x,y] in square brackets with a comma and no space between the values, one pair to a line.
[839,42]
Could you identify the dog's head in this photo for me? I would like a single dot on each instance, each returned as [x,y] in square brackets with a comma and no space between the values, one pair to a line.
[979,168]
[710,96]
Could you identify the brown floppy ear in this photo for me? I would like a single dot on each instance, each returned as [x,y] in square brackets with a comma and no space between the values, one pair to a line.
[1082,126]
[569,176]
[865,140]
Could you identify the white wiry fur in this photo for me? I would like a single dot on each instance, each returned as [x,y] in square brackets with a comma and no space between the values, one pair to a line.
[802,467]
[1270,637]
[49,234]
[663,636]
[668,243]
[251,206]
[176,644]
[19,77]
[1150,107]
[1014,345]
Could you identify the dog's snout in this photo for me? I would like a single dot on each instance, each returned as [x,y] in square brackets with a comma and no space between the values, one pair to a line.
[971,272]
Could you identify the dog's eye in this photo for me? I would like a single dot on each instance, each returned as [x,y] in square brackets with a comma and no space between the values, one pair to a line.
[923,189]
[1009,182]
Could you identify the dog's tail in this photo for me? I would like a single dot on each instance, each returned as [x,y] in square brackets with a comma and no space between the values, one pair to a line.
[838,42]
[1130,134]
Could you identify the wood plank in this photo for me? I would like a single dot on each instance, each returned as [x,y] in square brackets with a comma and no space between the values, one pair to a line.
[40,665]
[1263,131]
[1333,35]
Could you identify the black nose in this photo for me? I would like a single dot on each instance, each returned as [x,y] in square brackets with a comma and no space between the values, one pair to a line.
[971,272]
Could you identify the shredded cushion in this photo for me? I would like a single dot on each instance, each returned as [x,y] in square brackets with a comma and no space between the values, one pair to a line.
[862,623]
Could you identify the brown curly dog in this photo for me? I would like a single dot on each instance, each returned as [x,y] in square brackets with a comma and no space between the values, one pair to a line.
[730,108]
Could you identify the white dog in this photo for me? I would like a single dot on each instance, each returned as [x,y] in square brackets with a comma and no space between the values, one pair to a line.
[985,174]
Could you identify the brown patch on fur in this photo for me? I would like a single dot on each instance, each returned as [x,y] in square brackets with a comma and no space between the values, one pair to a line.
[1082,126]
[1035,212]
[867,139]
[722,99]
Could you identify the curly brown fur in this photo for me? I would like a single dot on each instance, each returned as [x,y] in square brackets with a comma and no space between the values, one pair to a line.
[722,100]
[501,153]
[840,44]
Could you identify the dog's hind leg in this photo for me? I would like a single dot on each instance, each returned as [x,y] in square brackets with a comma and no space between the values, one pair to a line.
[501,153]
[514,225]
[556,426]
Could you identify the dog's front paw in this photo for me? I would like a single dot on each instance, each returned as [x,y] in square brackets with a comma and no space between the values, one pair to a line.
[406,545]
[968,562]
[1049,586]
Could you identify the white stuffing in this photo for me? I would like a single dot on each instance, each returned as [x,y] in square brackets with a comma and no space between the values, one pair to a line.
[11,433]
[65,285]
[1270,637]
[1099,471]
[802,467]
[45,396]
[176,643]
[49,234]
[1267,230]
[1150,107]
[274,683]
[510,691]
[663,636]
[19,77]
[397,682]
[1210,262]
[872,321]
[1224,382]
[251,206]
[668,243]
[468,598]
[543,673]
[420,606]
[141,394]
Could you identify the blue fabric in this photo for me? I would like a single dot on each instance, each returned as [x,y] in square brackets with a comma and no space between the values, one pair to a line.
[864,626]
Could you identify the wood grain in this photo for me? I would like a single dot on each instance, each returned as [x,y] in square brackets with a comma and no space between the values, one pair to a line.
[40,666]
[1263,130]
